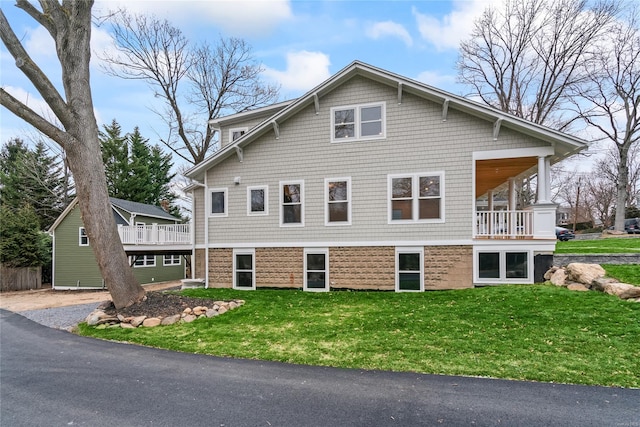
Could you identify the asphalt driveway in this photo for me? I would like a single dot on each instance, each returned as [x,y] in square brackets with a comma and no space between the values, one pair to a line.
[50,377]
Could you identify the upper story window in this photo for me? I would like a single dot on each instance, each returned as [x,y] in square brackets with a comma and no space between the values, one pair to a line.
[416,197]
[236,133]
[83,239]
[218,202]
[338,201]
[358,122]
[292,203]
[258,200]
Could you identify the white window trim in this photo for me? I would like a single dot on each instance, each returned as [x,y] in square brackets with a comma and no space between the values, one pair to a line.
[415,198]
[326,202]
[358,122]
[232,130]
[171,263]
[503,266]
[224,190]
[281,207]
[325,252]
[409,250]
[145,263]
[251,252]
[81,235]
[265,188]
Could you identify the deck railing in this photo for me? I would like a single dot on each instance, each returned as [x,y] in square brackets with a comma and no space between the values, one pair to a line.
[504,224]
[155,234]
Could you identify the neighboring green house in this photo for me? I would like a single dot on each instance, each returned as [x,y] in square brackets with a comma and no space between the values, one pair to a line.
[140,226]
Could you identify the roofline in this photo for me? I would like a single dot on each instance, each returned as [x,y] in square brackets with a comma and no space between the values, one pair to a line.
[423,90]
[63,215]
[244,114]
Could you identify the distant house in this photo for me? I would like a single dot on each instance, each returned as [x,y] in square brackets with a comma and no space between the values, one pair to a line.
[372,180]
[144,230]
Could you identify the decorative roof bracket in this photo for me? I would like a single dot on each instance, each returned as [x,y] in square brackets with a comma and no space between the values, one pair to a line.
[316,103]
[276,129]
[445,109]
[496,128]
[399,93]
[240,154]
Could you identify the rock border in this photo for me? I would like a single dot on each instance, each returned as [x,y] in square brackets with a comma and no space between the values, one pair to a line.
[102,320]
[583,277]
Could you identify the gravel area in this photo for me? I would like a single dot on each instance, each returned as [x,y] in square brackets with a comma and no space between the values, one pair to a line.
[65,318]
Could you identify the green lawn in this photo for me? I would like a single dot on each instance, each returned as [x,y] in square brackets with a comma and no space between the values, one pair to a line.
[538,332]
[610,245]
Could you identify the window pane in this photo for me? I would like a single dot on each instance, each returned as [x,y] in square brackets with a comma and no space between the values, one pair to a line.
[345,131]
[429,186]
[217,202]
[243,262]
[344,116]
[401,188]
[316,279]
[489,265]
[409,262]
[337,190]
[409,281]
[291,193]
[291,214]
[237,134]
[316,262]
[244,279]
[338,212]
[371,129]
[257,200]
[516,265]
[368,114]
[429,208]
[401,209]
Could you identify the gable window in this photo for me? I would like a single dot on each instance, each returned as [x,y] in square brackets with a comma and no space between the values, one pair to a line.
[219,202]
[416,197]
[337,201]
[258,200]
[356,122]
[236,133]
[244,273]
[171,260]
[291,203]
[83,239]
[503,266]
[316,269]
[409,269]
[145,261]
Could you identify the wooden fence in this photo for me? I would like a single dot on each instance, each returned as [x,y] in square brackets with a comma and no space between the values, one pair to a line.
[18,279]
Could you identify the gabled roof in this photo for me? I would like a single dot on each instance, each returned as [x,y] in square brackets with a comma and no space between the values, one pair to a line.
[127,206]
[564,144]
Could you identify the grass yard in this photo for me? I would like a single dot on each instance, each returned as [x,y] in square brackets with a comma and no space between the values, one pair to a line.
[610,245]
[537,332]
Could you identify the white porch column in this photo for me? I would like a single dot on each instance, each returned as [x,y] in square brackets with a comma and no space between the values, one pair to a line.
[543,196]
[490,200]
[512,194]
[547,178]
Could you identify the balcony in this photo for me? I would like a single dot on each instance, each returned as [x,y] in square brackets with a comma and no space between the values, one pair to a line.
[535,222]
[156,238]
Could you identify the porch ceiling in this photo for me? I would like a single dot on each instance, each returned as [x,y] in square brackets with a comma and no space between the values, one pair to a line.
[492,173]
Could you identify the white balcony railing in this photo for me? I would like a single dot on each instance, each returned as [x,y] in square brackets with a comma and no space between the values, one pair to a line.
[504,224]
[155,234]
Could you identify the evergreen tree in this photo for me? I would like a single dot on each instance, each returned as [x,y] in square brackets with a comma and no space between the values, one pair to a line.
[115,155]
[22,244]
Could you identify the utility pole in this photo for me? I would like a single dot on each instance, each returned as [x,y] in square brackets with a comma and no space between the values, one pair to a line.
[575,216]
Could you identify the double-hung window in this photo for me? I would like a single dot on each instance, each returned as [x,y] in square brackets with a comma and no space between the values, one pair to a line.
[292,203]
[244,272]
[409,269]
[316,269]
[83,239]
[358,122]
[258,200]
[416,197]
[337,201]
[218,202]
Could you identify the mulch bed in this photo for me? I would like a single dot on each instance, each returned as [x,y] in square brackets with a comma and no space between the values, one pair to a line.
[159,304]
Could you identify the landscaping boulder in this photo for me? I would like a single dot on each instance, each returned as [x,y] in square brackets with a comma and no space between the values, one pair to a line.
[558,277]
[618,289]
[577,287]
[631,293]
[584,273]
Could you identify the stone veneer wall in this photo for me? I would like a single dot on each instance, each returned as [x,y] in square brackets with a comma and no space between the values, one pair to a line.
[448,267]
[360,268]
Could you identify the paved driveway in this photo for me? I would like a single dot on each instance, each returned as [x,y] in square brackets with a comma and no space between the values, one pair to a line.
[50,377]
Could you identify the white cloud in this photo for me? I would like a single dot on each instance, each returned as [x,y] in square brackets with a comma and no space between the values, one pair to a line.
[389,29]
[242,18]
[441,81]
[304,71]
[447,32]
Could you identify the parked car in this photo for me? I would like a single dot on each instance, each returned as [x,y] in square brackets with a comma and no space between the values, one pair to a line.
[632,225]
[564,234]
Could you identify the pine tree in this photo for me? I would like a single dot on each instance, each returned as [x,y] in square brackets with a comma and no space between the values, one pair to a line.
[22,243]
[115,155]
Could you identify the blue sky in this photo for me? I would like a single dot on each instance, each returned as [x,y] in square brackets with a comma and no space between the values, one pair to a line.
[299,43]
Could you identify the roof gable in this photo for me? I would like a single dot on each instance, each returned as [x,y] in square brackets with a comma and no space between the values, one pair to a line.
[563,144]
